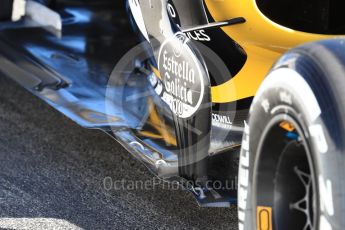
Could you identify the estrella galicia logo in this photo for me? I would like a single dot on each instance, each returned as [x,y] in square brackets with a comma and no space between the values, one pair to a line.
[182,77]
[178,48]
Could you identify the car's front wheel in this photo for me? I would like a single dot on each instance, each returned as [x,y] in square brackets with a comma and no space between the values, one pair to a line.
[292,164]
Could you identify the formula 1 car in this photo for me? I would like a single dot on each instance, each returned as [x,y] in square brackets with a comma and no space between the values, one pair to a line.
[241,102]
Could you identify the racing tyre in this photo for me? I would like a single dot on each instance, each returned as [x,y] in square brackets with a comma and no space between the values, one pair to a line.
[6,10]
[292,163]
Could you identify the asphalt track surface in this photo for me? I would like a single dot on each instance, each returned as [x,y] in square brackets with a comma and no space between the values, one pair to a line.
[57,175]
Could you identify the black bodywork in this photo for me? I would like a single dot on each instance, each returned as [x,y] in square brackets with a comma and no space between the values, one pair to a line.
[320,16]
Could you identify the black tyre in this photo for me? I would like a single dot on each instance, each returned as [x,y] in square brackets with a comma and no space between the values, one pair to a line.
[6,10]
[292,164]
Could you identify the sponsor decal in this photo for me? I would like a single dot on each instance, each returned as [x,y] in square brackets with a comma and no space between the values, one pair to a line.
[173,13]
[318,135]
[221,121]
[182,76]
[290,79]
[265,105]
[326,202]
[198,35]
[264,218]
[285,97]
[324,224]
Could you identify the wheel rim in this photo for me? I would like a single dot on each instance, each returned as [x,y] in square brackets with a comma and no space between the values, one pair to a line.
[284,178]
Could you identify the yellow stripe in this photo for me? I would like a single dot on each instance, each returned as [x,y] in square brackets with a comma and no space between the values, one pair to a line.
[263,40]
[156,72]
[248,80]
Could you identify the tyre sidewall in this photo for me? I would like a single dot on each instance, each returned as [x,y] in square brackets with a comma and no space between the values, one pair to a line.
[292,89]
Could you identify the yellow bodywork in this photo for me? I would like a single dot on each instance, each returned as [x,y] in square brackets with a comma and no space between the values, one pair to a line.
[263,40]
